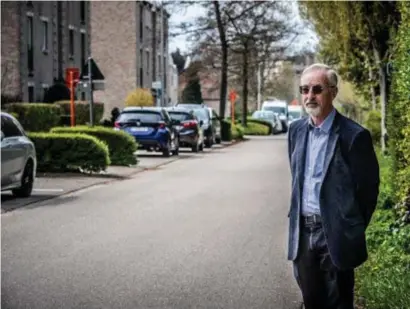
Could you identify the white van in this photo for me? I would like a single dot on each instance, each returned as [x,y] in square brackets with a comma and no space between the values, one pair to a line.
[280,108]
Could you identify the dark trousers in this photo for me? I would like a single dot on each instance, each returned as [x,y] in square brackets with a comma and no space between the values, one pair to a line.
[323,286]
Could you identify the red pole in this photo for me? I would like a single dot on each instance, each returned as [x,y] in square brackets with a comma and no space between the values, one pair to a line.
[72,108]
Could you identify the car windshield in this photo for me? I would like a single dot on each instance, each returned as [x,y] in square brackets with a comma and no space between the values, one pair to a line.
[276,109]
[295,114]
[181,116]
[143,116]
[201,114]
[263,115]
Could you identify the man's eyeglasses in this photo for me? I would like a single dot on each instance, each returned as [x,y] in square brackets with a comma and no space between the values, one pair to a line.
[316,89]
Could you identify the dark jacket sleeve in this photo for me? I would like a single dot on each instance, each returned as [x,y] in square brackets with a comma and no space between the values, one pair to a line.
[365,171]
[290,147]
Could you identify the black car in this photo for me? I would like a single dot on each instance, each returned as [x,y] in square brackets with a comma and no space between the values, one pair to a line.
[152,128]
[211,122]
[189,128]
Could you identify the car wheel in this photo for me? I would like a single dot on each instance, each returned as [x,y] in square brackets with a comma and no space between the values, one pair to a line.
[201,147]
[27,181]
[175,152]
[209,142]
[195,148]
[218,140]
[166,152]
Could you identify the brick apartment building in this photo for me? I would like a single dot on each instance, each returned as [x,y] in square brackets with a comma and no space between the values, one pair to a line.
[39,40]
[126,45]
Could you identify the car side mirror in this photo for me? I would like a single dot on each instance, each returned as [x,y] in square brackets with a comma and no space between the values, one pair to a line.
[201,122]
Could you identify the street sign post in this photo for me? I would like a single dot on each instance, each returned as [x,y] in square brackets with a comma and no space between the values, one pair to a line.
[232,99]
[72,77]
[91,72]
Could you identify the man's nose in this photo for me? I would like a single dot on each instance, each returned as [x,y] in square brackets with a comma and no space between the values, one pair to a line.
[310,94]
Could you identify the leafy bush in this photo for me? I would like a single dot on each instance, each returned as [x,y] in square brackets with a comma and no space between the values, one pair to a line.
[254,128]
[399,113]
[373,124]
[121,145]
[82,112]
[383,280]
[262,122]
[237,132]
[69,152]
[36,117]
[139,97]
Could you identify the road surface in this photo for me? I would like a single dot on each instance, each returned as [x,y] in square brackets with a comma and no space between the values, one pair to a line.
[208,231]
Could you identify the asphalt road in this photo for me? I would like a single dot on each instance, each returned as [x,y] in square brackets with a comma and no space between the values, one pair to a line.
[205,232]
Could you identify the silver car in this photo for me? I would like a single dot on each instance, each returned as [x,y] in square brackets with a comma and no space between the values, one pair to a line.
[18,158]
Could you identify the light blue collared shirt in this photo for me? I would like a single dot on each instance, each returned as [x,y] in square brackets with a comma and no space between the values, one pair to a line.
[315,158]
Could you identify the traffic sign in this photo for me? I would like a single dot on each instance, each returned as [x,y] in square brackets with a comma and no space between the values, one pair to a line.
[95,71]
[156,85]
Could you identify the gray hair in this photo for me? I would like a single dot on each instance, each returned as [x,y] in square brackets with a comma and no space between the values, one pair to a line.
[331,74]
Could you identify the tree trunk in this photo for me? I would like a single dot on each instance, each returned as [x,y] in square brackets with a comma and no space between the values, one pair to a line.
[372,90]
[224,65]
[245,67]
[383,97]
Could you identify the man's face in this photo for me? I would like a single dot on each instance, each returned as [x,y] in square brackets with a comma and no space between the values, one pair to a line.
[317,94]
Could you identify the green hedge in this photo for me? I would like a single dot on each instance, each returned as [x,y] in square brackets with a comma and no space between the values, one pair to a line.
[373,124]
[399,112]
[82,112]
[36,117]
[262,122]
[237,132]
[69,152]
[120,144]
[254,128]
[383,280]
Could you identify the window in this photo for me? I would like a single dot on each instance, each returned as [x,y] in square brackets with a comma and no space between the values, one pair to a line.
[141,22]
[141,70]
[82,12]
[31,93]
[9,127]
[45,89]
[83,48]
[143,116]
[30,40]
[147,62]
[45,36]
[71,42]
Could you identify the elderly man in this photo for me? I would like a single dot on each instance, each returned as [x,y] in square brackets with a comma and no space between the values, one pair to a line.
[335,184]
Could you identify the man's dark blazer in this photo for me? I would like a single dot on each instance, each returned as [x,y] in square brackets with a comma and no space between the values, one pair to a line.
[348,194]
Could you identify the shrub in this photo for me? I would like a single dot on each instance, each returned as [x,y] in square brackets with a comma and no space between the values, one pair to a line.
[121,145]
[254,128]
[139,97]
[69,152]
[373,124]
[237,132]
[399,112]
[36,117]
[82,112]
[262,122]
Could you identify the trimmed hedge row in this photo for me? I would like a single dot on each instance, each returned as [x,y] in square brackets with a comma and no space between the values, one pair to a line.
[36,117]
[254,128]
[69,152]
[82,112]
[121,145]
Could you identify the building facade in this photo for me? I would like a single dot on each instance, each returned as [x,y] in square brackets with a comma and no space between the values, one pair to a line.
[128,47]
[39,40]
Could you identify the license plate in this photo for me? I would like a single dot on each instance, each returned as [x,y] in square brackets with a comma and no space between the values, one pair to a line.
[139,129]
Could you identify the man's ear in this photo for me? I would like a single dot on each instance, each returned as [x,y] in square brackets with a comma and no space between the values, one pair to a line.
[335,91]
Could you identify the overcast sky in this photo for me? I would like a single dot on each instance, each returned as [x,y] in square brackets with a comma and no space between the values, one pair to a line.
[306,41]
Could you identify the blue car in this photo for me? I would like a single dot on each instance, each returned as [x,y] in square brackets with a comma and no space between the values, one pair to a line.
[152,128]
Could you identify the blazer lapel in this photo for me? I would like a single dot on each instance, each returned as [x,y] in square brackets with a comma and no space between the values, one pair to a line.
[301,154]
[331,144]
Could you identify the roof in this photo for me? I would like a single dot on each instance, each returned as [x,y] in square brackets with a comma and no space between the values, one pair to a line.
[139,108]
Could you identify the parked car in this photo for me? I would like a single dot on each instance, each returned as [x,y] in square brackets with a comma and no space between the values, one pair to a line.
[270,117]
[211,122]
[189,128]
[18,158]
[295,113]
[152,128]
[280,108]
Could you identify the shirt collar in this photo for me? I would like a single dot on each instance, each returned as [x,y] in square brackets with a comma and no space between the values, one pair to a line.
[326,124]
